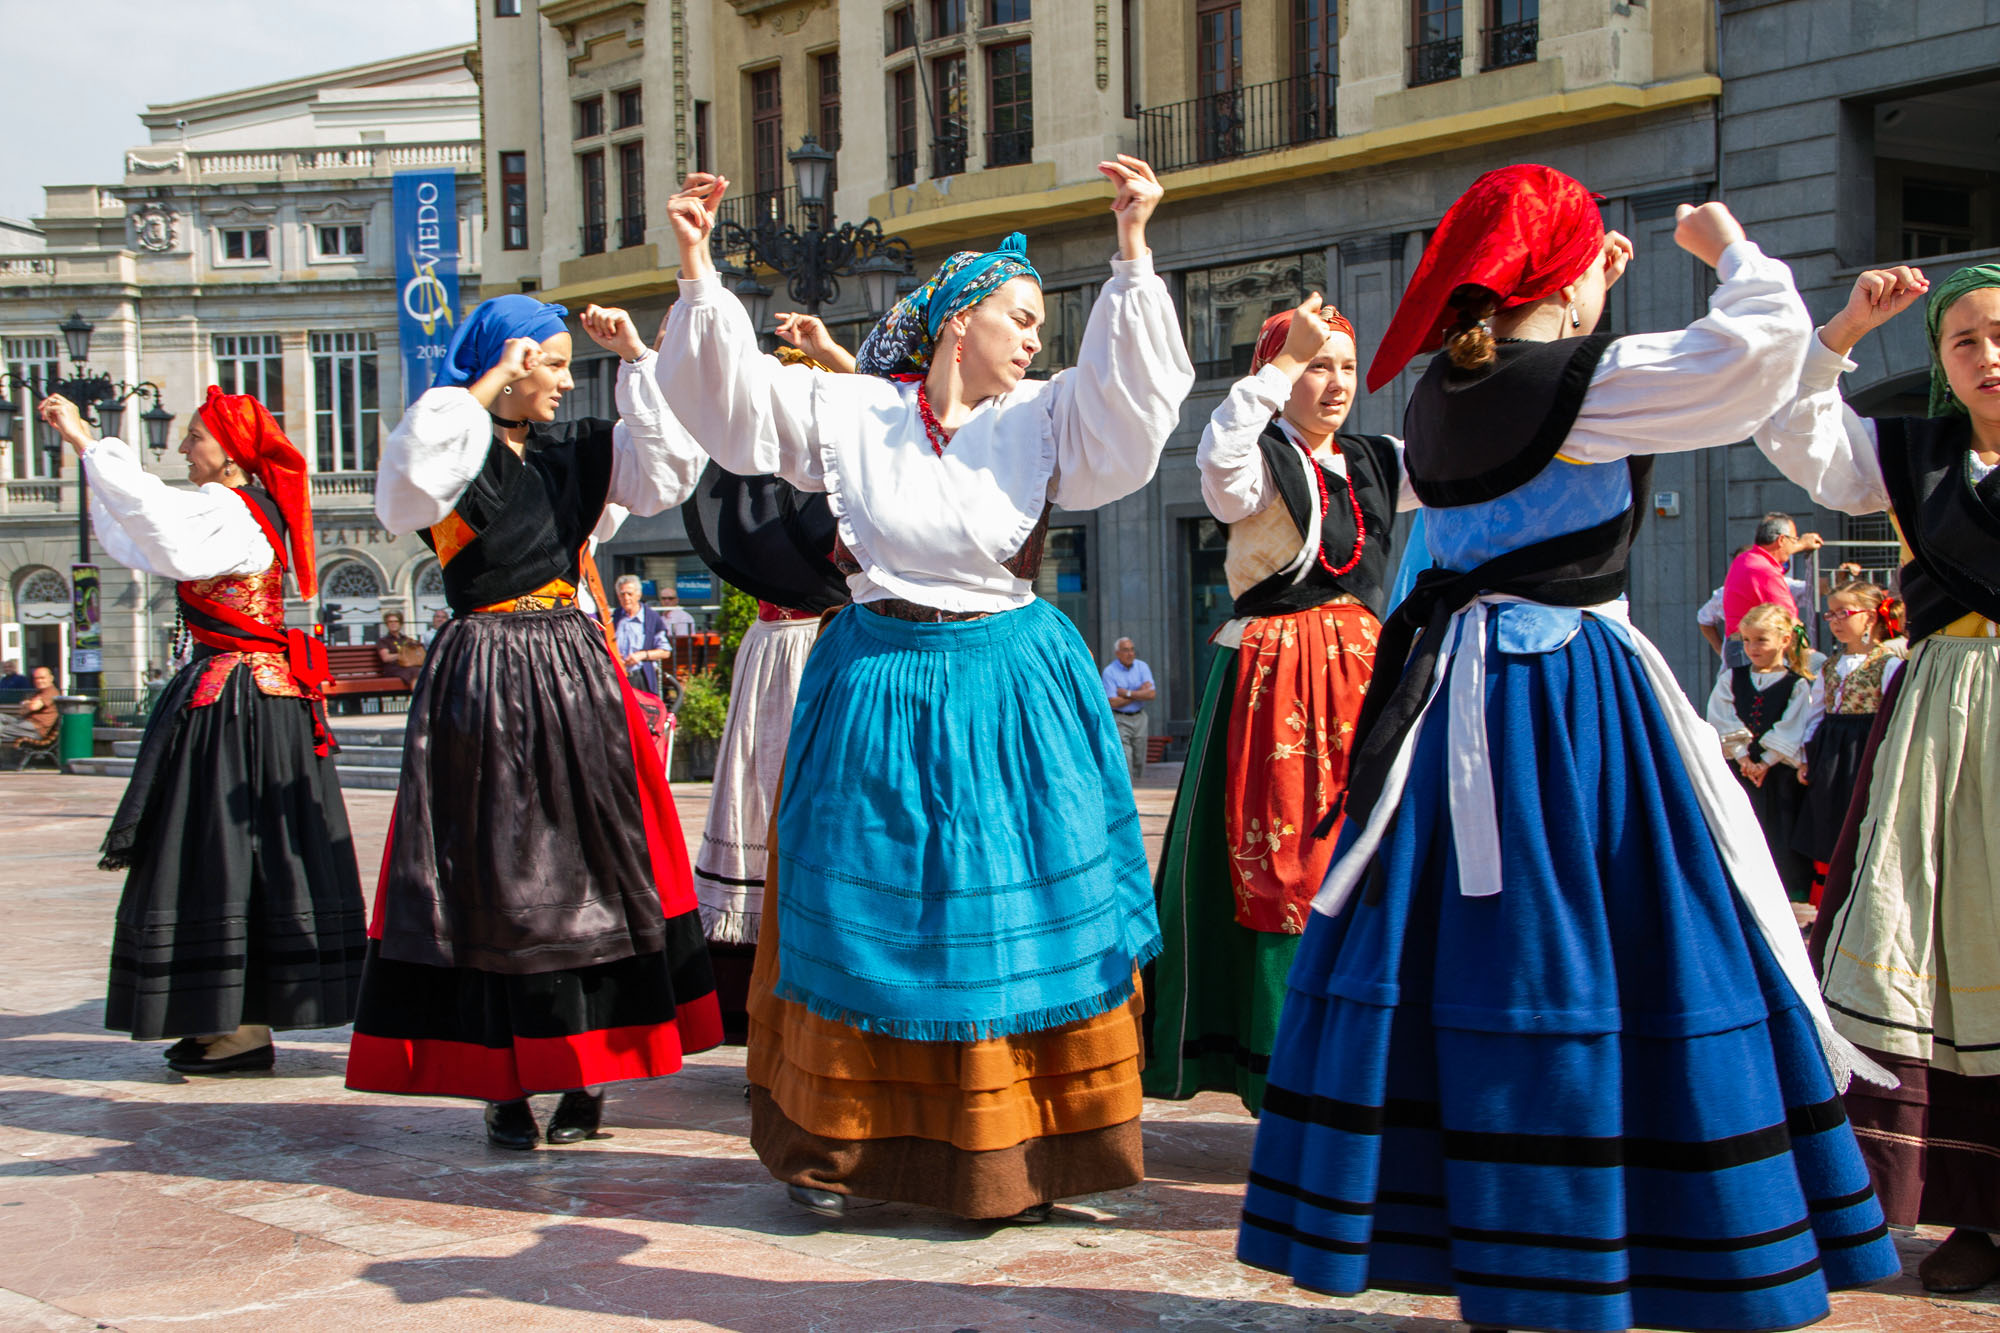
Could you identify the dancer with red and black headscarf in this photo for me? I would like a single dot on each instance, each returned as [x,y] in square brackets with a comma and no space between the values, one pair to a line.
[1553,1043]
[1309,510]
[242,908]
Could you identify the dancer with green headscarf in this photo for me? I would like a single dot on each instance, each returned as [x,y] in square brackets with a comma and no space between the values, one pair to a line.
[1908,937]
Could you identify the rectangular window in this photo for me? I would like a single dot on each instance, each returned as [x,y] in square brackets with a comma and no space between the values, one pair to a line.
[1010,105]
[767,132]
[1437,40]
[701,156]
[1204,545]
[1513,29]
[1218,30]
[252,363]
[948,114]
[1064,578]
[1007,11]
[903,146]
[514,201]
[246,245]
[1226,305]
[1315,69]
[506,9]
[826,69]
[900,29]
[1064,313]
[630,112]
[590,178]
[40,359]
[947,18]
[631,194]
[589,117]
[347,407]
[338,240]
[1937,218]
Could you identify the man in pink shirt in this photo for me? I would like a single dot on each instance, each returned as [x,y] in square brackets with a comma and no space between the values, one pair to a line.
[1758,574]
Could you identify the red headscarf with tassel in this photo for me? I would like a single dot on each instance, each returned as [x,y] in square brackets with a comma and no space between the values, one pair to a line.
[253,440]
[1271,338]
[1522,232]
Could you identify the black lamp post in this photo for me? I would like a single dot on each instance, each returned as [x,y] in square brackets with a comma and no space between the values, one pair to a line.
[97,397]
[812,262]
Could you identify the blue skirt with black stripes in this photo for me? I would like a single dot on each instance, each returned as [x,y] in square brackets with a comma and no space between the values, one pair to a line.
[1589,1102]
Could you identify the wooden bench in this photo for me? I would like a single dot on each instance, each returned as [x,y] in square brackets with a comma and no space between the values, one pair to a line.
[1156,748]
[357,673]
[25,750]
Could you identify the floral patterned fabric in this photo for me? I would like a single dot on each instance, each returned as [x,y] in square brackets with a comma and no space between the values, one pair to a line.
[1860,690]
[1300,679]
[902,341]
[261,597]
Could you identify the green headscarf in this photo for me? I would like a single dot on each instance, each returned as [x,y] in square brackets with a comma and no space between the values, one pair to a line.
[1970,279]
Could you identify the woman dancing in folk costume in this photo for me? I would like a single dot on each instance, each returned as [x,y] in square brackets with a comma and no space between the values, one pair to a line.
[1909,933]
[1309,511]
[1867,624]
[765,536]
[944,1007]
[535,929]
[1552,1042]
[242,907]
[1765,712]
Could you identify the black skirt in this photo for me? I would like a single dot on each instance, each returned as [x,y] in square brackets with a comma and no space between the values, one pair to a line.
[1833,762]
[242,901]
[1778,803]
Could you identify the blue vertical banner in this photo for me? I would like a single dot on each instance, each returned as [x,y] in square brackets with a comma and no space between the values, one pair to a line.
[426,205]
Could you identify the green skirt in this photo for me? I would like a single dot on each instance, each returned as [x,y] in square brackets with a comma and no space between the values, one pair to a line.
[1217,987]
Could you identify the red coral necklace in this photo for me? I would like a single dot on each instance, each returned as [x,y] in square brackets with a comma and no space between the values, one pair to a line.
[1325,504]
[934,430]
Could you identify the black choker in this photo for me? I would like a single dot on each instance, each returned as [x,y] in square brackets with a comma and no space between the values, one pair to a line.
[499,420]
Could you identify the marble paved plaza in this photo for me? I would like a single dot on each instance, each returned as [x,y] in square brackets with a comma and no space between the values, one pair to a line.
[133,1198]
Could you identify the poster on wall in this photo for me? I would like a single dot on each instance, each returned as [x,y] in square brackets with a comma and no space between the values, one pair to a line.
[426,212]
[86,644]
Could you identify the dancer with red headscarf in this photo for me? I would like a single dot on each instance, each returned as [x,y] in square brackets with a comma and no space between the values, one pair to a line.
[242,908]
[1553,1043]
[1309,511]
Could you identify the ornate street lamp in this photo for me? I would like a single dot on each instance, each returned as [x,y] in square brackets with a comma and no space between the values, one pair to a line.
[812,262]
[76,331]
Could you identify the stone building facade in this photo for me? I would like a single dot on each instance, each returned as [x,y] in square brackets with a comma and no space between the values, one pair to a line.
[248,243]
[1303,144]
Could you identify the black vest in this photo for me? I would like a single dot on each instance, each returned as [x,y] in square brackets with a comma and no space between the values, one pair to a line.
[1951,526]
[1310,488]
[767,537]
[1760,710]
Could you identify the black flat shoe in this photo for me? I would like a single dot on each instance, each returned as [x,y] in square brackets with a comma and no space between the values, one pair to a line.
[511,1125]
[824,1203]
[260,1059]
[1033,1215]
[187,1048]
[577,1117]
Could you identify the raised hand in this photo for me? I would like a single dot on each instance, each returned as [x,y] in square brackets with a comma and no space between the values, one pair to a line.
[59,414]
[613,330]
[1617,256]
[1706,230]
[1139,193]
[809,334]
[1308,333]
[691,215]
[1879,296]
[518,357]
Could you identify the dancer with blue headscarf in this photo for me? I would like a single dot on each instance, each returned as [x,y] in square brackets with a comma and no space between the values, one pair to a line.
[535,926]
[943,1009]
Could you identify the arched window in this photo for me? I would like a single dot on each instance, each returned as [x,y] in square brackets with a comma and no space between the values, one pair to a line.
[43,585]
[350,579]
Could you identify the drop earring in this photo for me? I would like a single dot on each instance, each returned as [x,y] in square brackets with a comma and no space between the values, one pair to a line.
[958,352]
[1575,320]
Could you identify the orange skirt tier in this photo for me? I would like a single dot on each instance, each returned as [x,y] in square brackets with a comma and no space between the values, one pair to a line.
[979,1128]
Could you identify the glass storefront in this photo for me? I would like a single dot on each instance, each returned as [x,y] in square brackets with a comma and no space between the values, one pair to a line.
[1064,580]
[1209,606]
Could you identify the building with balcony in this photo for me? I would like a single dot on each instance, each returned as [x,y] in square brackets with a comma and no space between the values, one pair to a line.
[247,243]
[1304,144]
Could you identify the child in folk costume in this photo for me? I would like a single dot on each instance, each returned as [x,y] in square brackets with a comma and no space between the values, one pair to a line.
[1765,712]
[944,1007]
[242,907]
[1309,511]
[1552,1042]
[1909,934]
[1866,623]
[535,928]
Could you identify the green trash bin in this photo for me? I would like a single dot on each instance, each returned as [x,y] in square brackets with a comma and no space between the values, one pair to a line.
[79,726]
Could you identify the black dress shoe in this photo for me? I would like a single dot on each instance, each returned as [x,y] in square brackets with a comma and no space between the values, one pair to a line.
[1033,1215]
[577,1117]
[187,1048]
[825,1203]
[511,1125]
[261,1058]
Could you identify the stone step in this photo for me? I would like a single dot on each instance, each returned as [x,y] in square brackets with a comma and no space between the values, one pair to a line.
[112,735]
[355,776]
[351,756]
[374,737]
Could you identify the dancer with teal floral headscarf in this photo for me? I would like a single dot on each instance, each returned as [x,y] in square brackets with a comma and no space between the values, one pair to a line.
[1908,937]
[943,1010]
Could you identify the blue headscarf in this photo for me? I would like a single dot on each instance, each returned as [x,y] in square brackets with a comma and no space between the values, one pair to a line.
[482,337]
[903,340]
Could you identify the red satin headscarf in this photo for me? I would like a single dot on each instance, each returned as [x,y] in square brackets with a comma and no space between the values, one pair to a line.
[1271,338]
[1522,232]
[250,436]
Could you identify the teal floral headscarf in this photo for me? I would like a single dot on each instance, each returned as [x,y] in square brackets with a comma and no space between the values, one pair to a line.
[902,342]
[1944,402]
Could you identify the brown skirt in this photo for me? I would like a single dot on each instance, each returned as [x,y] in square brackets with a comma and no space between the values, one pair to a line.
[979,1128]
[1932,1144]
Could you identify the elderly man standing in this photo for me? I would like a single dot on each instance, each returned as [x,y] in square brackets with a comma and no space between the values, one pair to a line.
[1128,685]
[643,637]
[1758,575]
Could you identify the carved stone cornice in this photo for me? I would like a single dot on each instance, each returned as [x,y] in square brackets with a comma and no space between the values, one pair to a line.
[783,15]
[565,15]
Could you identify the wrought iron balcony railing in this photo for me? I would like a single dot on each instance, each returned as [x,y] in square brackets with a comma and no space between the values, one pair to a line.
[593,238]
[1004,148]
[1512,44]
[631,230]
[1435,62]
[1260,118]
[903,167]
[947,155]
